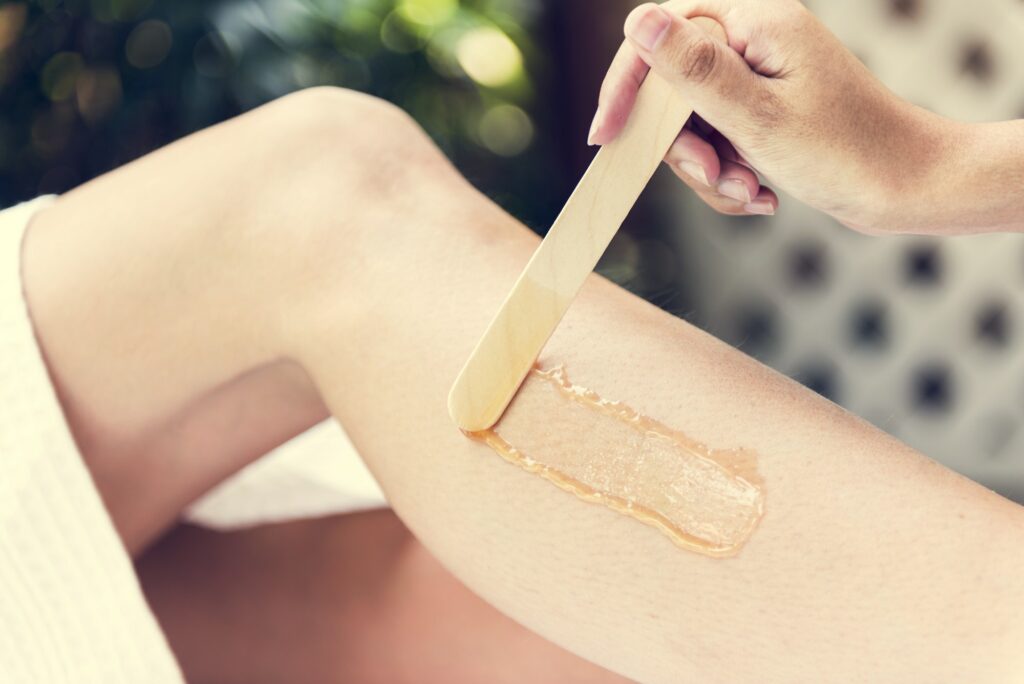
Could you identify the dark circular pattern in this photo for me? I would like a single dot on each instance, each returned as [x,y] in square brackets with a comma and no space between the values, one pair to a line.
[755,329]
[932,388]
[869,326]
[992,324]
[822,377]
[808,265]
[977,61]
[923,265]
[908,10]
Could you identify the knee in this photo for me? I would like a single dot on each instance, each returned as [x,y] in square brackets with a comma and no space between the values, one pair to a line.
[347,139]
[340,176]
[337,115]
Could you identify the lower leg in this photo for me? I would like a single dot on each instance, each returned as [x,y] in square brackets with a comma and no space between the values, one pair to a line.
[351,598]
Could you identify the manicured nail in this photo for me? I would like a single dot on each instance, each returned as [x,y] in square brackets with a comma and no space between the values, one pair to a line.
[762,208]
[734,189]
[646,25]
[594,128]
[694,171]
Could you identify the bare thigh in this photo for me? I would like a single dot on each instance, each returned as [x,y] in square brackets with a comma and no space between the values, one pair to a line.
[352,598]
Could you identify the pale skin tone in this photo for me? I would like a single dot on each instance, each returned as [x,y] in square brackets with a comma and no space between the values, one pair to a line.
[350,598]
[319,255]
[170,388]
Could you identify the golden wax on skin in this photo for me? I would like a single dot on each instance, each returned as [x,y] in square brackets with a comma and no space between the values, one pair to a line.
[604,452]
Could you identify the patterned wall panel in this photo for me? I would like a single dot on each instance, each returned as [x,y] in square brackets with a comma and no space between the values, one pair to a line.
[923,337]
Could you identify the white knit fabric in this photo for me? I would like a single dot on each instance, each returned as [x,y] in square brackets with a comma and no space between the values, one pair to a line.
[71,609]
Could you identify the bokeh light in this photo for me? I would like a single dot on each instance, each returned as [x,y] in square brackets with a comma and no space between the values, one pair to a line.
[148,44]
[118,10]
[398,36]
[488,56]
[60,74]
[427,14]
[506,130]
[97,93]
[12,21]
[88,85]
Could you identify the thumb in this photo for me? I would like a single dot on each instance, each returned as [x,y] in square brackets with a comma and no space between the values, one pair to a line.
[713,76]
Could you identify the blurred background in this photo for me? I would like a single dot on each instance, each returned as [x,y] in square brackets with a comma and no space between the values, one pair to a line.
[921,337]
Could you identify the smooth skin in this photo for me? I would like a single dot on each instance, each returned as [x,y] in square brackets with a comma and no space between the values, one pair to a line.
[166,323]
[786,101]
[348,598]
[319,254]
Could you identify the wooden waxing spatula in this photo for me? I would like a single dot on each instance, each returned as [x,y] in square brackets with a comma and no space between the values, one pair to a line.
[556,272]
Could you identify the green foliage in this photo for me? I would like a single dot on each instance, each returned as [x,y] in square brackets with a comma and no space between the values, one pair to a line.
[87,85]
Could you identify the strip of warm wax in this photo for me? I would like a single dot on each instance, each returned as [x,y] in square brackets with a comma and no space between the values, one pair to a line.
[604,452]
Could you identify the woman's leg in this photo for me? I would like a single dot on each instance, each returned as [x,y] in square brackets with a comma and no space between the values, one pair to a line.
[153,291]
[325,229]
[351,598]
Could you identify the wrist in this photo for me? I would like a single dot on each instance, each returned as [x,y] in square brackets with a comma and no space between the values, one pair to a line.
[915,194]
[974,182]
[992,177]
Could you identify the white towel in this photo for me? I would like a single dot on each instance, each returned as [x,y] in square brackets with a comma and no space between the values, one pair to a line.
[71,609]
[317,473]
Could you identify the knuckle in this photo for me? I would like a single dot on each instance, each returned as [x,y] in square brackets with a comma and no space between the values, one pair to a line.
[698,59]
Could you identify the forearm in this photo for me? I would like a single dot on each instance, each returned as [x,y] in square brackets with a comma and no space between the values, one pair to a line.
[933,175]
[993,161]
[976,183]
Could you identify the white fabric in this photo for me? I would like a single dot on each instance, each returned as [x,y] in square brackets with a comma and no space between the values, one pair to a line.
[317,473]
[71,608]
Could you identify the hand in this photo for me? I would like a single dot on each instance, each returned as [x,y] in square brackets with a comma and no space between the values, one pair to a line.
[785,99]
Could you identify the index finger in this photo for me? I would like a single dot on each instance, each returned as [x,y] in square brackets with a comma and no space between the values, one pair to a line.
[627,73]
[618,94]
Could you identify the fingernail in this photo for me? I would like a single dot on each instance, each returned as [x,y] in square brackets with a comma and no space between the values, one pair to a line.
[594,128]
[694,171]
[646,25]
[762,208]
[734,189]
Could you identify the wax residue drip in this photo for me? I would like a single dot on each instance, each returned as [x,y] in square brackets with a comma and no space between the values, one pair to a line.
[603,451]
